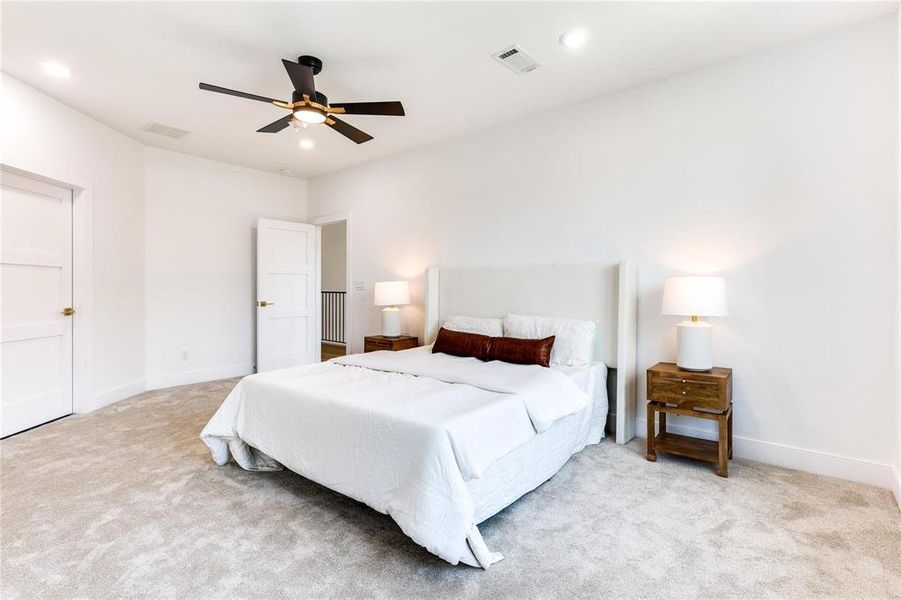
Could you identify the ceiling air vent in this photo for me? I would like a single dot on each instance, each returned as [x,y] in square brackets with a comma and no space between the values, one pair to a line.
[160,129]
[516,59]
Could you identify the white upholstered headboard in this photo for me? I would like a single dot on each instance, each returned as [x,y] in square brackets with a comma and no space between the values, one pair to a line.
[606,293]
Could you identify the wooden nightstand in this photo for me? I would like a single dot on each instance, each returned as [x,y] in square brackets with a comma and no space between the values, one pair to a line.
[371,343]
[705,395]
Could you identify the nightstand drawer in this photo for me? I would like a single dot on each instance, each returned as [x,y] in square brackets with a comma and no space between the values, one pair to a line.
[690,390]
[374,343]
[681,396]
[684,387]
[380,344]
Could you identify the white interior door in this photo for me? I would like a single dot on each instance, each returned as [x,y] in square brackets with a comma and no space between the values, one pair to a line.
[35,292]
[287,294]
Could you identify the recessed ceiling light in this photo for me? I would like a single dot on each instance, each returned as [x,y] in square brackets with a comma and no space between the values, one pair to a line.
[55,69]
[306,144]
[285,171]
[575,38]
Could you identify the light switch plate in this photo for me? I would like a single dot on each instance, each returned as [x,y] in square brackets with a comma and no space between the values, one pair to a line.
[359,286]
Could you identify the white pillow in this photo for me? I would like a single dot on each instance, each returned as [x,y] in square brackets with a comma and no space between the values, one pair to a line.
[575,337]
[480,325]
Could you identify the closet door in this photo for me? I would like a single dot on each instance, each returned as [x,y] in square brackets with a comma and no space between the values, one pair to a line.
[35,301]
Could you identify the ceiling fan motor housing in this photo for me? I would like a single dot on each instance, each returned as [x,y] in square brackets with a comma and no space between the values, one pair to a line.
[312,62]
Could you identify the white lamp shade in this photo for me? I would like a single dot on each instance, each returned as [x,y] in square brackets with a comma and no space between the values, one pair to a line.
[392,293]
[695,296]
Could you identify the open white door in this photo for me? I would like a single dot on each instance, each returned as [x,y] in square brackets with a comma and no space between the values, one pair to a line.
[287,294]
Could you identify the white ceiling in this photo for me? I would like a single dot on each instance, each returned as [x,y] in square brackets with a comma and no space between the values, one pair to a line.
[136,62]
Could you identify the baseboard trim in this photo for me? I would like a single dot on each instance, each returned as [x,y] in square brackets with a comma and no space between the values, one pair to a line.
[199,376]
[791,457]
[120,392]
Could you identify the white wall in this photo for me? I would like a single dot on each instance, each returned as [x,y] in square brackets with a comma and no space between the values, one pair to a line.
[201,279]
[45,137]
[334,256]
[777,171]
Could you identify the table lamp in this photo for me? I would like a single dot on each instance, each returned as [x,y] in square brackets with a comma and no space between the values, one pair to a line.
[391,294]
[694,297]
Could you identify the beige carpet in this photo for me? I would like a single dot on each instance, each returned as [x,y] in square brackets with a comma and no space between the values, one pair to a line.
[126,502]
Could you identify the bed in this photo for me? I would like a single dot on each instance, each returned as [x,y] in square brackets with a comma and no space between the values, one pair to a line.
[438,442]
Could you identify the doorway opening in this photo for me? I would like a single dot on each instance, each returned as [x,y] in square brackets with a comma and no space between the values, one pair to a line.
[334,273]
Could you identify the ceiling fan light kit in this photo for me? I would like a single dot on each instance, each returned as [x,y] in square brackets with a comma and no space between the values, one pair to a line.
[310,107]
[310,116]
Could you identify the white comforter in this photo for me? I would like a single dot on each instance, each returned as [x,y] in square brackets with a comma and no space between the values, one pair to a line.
[399,431]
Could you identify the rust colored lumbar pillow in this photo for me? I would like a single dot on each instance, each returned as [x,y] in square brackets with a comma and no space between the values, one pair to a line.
[521,351]
[459,343]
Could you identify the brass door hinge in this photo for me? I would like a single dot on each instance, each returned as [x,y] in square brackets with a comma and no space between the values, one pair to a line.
[68,311]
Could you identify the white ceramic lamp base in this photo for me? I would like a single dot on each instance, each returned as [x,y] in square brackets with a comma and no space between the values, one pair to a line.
[695,346]
[391,321]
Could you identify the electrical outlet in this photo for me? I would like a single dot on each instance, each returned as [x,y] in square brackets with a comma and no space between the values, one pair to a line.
[184,355]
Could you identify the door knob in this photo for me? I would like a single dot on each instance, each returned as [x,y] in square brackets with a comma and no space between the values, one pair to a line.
[68,311]
[264,303]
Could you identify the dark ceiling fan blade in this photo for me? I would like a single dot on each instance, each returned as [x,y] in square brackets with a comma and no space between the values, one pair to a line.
[276,126]
[348,130]
[222,90]
[302,78]
[392,109]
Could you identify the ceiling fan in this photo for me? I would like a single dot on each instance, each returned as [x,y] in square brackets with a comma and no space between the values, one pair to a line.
[309,107]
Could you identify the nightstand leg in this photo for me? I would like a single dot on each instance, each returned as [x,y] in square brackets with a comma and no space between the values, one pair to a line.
[722,468]
[652,455]
[730,434]
[662,422]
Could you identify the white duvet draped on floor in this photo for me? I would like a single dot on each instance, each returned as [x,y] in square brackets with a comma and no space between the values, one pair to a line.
[399,431]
